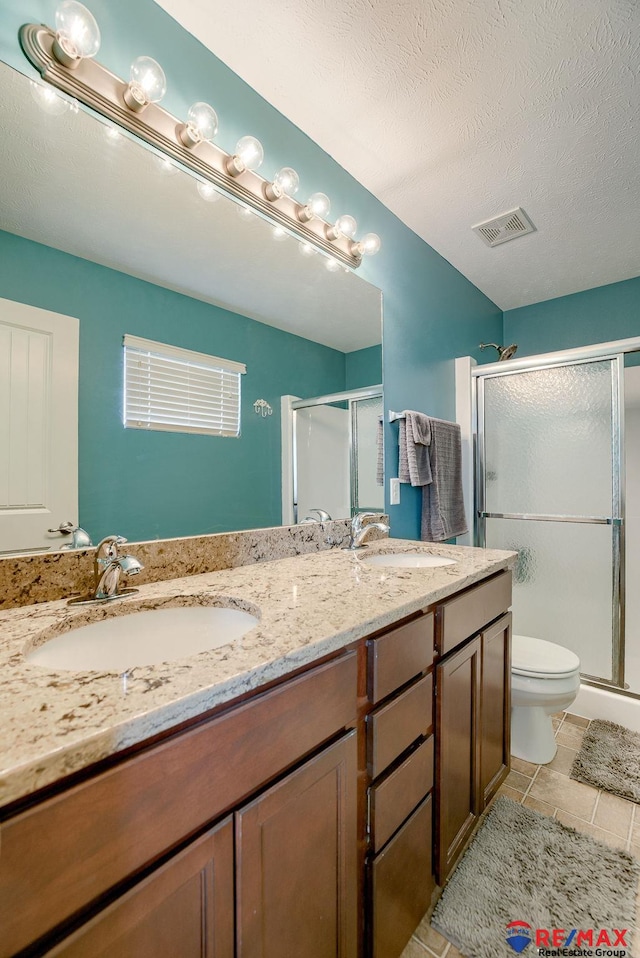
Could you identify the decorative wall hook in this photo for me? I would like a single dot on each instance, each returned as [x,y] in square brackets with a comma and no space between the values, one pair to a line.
[262,408]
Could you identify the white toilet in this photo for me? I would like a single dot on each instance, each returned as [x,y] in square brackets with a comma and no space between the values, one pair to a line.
[545,678]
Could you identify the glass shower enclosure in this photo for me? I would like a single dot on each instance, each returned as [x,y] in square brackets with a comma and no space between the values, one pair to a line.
[548,484]
[333,458]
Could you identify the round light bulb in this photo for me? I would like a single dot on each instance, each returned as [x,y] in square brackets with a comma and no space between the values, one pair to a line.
[287,180]
[208,192]
[346,225]
[148,83]
[319,204]
[332,265]
[48,100]
[370,244]
[204,119]
[250,152]
[77,33]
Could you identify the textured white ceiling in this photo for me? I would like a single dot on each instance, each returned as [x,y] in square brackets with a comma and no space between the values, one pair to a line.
[66,185]
[458,110]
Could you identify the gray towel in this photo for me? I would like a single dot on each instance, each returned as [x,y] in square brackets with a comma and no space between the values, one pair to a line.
[443,513]
[380,457]
[414,439]
[430,455]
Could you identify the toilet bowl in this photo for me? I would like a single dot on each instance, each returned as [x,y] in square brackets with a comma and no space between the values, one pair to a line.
[545,678]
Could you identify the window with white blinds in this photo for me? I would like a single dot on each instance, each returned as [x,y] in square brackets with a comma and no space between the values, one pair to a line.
[177,390]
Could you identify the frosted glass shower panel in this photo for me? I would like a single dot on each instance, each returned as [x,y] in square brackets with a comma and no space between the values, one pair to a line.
[548,441]
[562,585]
[366,413]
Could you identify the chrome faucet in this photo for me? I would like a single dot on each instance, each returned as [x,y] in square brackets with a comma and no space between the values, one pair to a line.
[320,516]
[108,567]
[359,531]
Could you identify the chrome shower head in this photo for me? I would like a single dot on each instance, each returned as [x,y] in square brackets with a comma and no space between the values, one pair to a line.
[507,352]
[504,352]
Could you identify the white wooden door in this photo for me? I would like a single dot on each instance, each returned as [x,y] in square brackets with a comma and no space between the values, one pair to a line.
[38,425]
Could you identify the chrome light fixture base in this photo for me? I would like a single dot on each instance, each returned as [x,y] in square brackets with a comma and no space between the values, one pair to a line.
[105,93]
[65,52]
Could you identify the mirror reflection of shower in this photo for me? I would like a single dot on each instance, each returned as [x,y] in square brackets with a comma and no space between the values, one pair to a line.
[331,454]
[504,352]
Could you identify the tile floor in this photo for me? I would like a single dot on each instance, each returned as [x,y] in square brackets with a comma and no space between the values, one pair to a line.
[548,789]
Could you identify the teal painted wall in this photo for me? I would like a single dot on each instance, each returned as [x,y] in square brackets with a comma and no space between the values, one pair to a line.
[363,367]
[594,316]
[162,484]
[431,312]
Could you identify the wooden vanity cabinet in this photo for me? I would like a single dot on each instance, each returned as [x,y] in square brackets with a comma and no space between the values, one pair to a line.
[313,818]
[138,846]
[184,907]
[400,750]
[473,712]
[294,880]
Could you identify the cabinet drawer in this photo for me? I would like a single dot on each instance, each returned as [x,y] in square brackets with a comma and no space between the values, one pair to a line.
[393,727]
[401,885]
[465,615]
[400,655]
[64,853]
[393,799]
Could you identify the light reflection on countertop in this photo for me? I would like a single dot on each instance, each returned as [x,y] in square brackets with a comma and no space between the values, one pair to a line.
[311,605]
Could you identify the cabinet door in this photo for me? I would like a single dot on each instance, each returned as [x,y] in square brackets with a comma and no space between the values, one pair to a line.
[401,883]
[457,753]
[296,868]
[495,737]
[185,908]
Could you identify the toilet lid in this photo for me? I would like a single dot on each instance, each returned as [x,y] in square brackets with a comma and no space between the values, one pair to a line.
[530,656]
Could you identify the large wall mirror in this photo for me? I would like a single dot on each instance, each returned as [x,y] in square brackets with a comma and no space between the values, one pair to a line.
[97,227]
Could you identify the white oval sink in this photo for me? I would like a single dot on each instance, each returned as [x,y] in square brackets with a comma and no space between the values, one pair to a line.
[146,637]
[408,560]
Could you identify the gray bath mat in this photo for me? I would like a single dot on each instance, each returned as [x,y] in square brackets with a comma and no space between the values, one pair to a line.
[610,759]
[525,867]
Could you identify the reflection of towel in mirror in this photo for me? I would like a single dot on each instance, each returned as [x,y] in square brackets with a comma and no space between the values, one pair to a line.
[380,449]
[431,457]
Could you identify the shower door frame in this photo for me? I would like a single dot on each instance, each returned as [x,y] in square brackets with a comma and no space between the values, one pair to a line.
[350,396]
[609,352]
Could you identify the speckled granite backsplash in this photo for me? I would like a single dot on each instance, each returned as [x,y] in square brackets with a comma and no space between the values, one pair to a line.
[48,576]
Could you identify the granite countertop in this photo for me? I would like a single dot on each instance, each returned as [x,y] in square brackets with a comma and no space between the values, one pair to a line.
[55,723]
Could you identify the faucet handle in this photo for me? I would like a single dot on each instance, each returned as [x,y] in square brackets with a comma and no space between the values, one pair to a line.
[322,514]
[358,519]
[108,547]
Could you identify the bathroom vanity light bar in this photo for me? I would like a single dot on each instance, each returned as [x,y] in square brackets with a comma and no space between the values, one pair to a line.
[61,59]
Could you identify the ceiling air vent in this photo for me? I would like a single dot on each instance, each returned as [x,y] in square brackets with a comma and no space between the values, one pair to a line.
[503,228]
